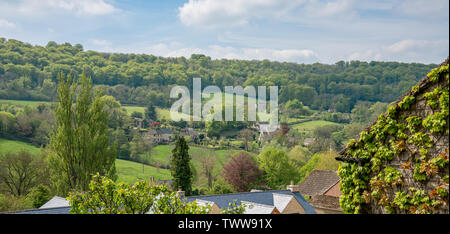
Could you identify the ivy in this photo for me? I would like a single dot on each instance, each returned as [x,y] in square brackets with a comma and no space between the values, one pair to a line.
[389,137]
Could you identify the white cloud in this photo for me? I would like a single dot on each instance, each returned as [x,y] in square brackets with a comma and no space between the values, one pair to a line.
[213,13]
[6,24]
[79,7]
[230,13]
[409,50]
[405,45]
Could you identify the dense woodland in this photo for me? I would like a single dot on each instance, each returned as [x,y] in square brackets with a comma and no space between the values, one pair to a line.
[30,72]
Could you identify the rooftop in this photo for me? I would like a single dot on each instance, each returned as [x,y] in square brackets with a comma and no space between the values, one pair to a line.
[318,182]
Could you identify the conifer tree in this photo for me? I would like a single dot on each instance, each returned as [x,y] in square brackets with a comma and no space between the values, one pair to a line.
[180,166]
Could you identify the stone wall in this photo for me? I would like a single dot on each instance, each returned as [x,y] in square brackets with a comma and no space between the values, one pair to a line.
[400,162]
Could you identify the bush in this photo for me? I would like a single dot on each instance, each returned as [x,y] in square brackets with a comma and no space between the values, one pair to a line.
[40,195]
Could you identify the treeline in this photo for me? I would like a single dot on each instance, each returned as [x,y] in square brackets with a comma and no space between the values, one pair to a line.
[30,72]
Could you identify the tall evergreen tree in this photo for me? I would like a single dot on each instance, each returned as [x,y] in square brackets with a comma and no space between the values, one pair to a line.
[150,112]
[180,166]
[79,144]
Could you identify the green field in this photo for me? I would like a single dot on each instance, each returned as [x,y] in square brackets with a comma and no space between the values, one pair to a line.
[130,172]
[21,102]
[131,109]
[311,125]
[127,171]
[163,113]
[9,146]
[161,155]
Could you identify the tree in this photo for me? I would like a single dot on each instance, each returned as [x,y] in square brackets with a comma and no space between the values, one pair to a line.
[241,172]
[208,162]
[40,195]
[106,197]
[278,170]
[117,116]
[140,149]
[246,135]
[6,122]
[220,186]
[79,144]
[20,172]
[299,156]
[320,161]
[136,114]
[150,112]
[180,166]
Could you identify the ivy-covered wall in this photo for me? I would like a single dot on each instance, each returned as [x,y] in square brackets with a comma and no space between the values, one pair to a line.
[400,164]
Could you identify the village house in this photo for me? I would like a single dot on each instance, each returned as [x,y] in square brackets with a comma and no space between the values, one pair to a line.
[308,141]
[189,132]
[322,189]
[158,135]
[56,205]
[264,130]
[289,201]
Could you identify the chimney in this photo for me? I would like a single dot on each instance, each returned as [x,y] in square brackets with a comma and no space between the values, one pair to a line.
[180,193]
[293,188]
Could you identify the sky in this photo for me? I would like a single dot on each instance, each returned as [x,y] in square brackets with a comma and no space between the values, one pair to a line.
[300,31]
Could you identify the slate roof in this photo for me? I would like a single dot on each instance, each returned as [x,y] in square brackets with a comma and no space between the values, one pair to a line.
[165,131]
[56,210]
[264,197]
[318,182]
[55,202]
[264,200]
[255,208]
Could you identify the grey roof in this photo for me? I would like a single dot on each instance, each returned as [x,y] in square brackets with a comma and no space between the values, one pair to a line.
[318,182]
[264,197]
[55,202]
[165,131]
[255,208]
[57,210]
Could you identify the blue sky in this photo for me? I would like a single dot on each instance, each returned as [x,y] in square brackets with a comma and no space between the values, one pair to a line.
[302,31]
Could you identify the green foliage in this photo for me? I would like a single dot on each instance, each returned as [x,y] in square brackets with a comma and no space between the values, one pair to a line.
[234,208]
[40,195]
[106,197]
[12,203]
[220,186]
[79,145]
[180,166]
[319,161]
[30,72]
[387,138]
[278,170]
[150,112]
[21,171]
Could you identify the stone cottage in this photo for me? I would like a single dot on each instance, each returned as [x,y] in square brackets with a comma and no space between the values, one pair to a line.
[399,164]
[322,189]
